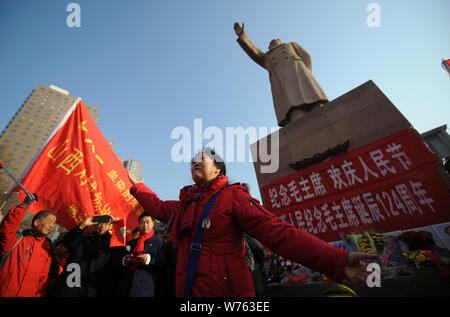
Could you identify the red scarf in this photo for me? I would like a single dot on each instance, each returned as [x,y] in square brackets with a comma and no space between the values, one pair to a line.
[190,196]
[139,249]
[140,244]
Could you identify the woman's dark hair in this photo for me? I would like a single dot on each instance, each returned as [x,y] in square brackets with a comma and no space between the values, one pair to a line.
[218,161]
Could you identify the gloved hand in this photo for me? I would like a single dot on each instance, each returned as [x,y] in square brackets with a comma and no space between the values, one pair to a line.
[29,200]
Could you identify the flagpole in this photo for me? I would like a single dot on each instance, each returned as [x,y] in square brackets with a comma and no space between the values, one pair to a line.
[6,199]
[4,202]
[2,166]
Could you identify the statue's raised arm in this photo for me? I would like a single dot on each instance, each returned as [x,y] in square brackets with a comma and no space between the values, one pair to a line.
[295,91]
[247,45]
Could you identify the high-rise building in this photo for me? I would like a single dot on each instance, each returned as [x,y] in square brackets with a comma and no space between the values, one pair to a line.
[134,166]
[30,128]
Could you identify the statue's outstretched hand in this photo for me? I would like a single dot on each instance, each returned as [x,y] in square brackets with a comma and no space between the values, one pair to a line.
[238,29]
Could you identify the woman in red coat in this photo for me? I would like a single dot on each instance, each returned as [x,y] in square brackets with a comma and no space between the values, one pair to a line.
[222,270]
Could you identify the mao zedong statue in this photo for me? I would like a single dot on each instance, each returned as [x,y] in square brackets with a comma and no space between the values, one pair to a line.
[295,91]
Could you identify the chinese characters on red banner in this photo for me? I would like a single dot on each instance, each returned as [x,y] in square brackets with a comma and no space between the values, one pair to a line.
[387,185]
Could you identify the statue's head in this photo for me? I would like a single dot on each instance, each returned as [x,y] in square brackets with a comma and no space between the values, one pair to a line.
[274,43]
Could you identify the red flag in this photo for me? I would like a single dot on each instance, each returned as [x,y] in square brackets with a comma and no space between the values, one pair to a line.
[78,175]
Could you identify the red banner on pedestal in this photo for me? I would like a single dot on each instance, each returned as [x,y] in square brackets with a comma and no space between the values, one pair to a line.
[78,175]
[387,185]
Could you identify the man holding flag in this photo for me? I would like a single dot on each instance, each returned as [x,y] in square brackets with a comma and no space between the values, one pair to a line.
[78,175]
[26,257]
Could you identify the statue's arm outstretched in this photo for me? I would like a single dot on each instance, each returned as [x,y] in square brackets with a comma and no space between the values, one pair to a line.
[247,45]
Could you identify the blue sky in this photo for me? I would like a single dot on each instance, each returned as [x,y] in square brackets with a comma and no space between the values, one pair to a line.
[152,66]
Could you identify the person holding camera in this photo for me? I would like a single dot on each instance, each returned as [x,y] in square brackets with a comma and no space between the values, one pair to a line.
[92,255]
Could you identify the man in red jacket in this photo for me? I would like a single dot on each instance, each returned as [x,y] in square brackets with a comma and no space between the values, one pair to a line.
[222,270]
[28,255]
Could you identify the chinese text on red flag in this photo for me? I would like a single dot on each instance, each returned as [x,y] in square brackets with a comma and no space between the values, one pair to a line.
[78,175]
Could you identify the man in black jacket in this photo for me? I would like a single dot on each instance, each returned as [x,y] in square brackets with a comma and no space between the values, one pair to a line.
[92,252]
[143,262]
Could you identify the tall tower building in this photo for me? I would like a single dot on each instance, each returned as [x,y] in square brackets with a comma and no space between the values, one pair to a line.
[134,166]
[31,127]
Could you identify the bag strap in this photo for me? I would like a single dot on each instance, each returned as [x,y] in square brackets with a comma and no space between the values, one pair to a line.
[197,245]
[5,257]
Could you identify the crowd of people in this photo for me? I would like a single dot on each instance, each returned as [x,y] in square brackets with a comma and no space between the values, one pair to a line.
[33,266]
[206,252]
